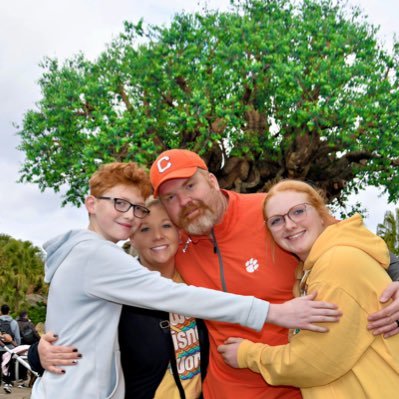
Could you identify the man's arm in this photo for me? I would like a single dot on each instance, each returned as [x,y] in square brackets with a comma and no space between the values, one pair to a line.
[386,321]
[393,269]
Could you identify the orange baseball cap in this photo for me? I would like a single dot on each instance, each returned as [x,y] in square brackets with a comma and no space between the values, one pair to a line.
[174,164]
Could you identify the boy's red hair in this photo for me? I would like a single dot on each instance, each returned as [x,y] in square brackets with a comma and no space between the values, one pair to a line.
[115,173]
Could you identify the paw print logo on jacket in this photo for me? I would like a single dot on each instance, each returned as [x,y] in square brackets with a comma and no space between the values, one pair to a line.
[251,265]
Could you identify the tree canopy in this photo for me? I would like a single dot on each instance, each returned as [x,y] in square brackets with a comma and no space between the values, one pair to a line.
[266,90]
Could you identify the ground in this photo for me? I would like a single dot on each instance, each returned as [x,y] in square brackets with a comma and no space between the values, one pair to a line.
[17,393]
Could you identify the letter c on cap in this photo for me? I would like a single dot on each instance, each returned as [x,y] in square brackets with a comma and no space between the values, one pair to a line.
[162,168]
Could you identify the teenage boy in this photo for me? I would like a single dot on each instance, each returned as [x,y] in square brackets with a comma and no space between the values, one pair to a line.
[226,247]
[90,277]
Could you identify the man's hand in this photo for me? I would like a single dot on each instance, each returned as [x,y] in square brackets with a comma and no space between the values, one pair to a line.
[302,312]
[229,351]
[385,321]
[52,356]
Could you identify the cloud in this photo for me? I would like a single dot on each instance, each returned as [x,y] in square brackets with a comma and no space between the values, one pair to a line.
[28,214]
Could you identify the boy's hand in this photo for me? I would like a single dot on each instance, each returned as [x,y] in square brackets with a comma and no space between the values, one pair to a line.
[303,312]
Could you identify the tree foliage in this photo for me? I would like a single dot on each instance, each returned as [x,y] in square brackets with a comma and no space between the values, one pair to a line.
[389,230]
[267,90]
[21,272]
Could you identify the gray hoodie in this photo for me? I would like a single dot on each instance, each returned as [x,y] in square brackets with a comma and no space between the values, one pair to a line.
[15,330]
[90,278]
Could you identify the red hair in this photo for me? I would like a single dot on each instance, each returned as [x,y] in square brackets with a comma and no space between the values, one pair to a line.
[115,173]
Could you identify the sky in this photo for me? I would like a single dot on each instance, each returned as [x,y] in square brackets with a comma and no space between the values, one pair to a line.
[31,30]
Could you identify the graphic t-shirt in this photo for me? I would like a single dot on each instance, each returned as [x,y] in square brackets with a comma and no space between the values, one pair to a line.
[187,350]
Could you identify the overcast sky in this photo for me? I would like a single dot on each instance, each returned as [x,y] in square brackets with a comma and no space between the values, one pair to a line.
[31,30]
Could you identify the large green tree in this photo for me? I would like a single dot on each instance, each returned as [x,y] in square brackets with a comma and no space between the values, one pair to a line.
[267,90]
[21,272]
[389,230]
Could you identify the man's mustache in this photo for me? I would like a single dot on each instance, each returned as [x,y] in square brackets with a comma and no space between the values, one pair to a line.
[199,205]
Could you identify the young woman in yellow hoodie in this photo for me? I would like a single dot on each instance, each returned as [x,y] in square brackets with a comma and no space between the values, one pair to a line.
[345,263]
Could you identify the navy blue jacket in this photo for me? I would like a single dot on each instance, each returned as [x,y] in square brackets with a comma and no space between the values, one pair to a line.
[147,348]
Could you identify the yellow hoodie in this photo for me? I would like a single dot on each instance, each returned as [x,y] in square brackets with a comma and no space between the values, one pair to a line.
[346,267]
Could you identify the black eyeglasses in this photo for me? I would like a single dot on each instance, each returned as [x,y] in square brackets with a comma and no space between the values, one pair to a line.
[122,205]
[297,213]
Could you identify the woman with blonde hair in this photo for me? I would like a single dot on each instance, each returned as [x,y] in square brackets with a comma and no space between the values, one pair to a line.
[345,264]
[164,355]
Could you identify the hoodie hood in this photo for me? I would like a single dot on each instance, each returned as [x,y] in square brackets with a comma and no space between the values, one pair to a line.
[59,247]
[350,233]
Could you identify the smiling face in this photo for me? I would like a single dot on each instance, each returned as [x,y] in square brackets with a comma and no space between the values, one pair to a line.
[156,240]
[296,237]
[106,220]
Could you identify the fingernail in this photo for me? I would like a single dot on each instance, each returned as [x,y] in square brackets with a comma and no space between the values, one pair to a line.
[74,350]
[55,335]
[74,361]
[63,371]
[80,355]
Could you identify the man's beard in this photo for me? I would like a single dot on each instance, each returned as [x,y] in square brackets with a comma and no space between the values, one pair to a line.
[202,223]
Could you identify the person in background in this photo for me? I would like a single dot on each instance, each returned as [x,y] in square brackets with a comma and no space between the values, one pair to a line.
[345,263]
[27,329]
[29,336]
[91,277]
[10,337]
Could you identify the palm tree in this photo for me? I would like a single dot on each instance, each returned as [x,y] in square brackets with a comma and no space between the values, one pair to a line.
[389,230]
[21,271]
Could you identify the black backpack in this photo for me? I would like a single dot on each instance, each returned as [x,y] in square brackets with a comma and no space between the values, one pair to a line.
[28,334]
[5,327]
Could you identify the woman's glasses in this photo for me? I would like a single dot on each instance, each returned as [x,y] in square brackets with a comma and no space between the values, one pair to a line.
[297,213]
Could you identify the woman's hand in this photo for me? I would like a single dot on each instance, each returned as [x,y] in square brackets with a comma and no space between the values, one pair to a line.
[229,351]
[52,356]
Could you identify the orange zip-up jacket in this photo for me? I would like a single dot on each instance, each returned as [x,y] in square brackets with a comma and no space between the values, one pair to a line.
[252,265]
